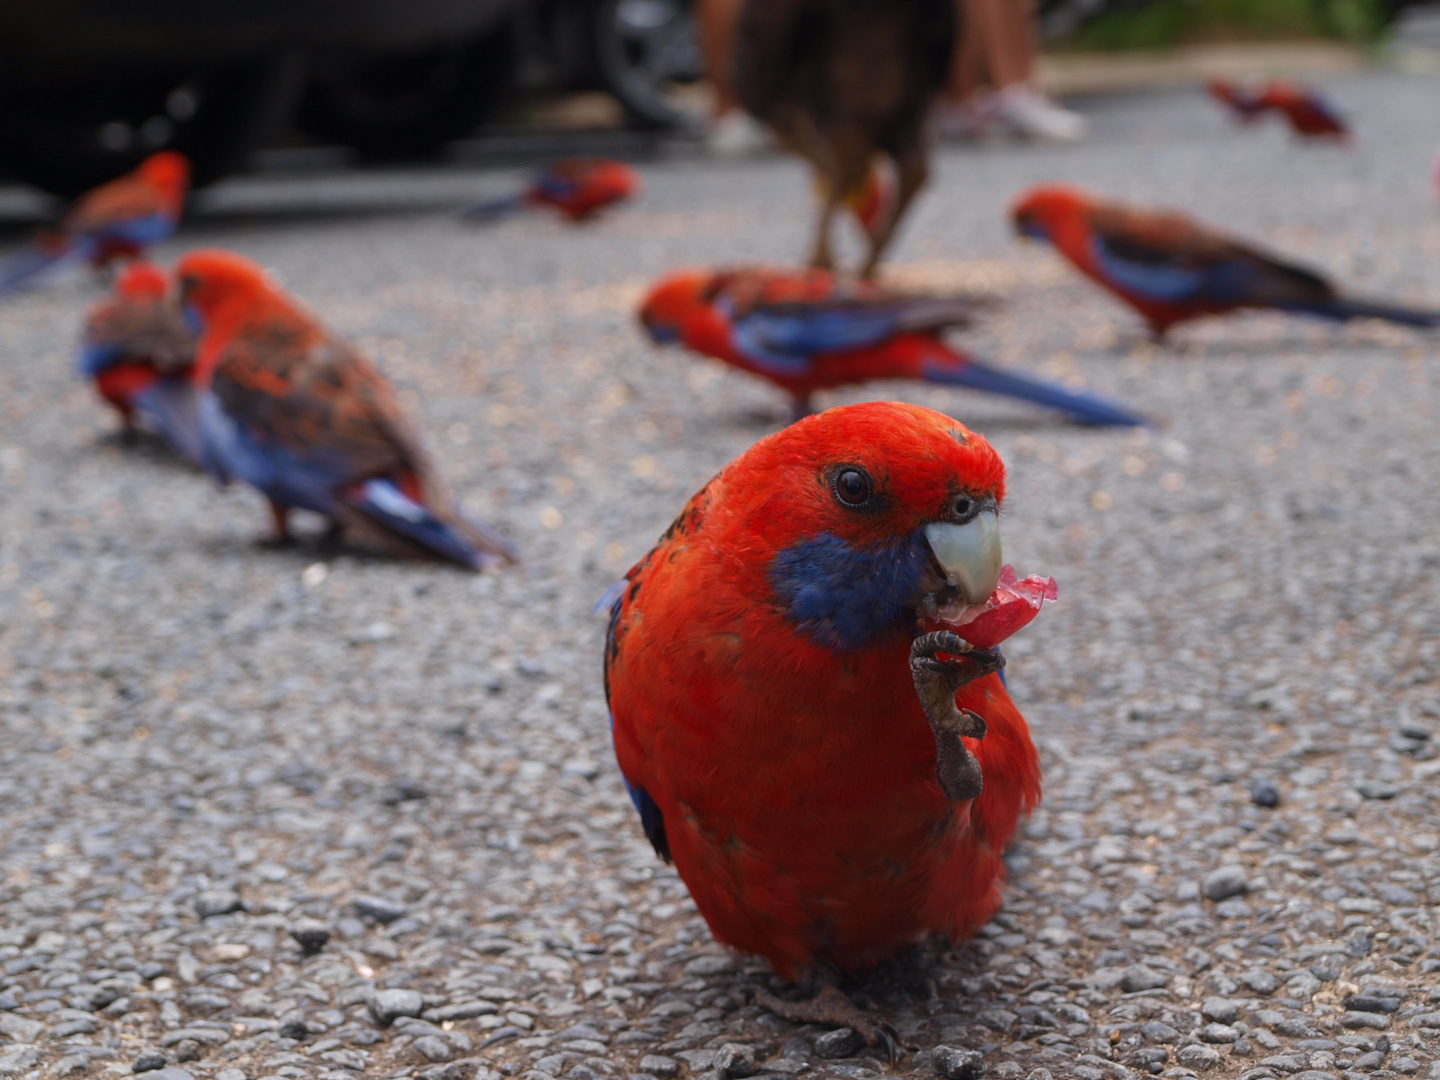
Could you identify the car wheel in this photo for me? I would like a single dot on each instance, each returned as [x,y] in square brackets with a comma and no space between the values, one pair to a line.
[646,54]
[409,106]
[67,137]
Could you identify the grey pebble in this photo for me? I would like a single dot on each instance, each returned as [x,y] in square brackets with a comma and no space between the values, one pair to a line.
[1139,977]
[958,1063]
[735,1061]
[1198,1057]
[378,908]
[1218,1033]
[1224,882]
[148,1061]
[1377,789]
[1264,792]
[1222,1010]
[839,1043]
[7,1002]
[387,1006]
[214,902]
[171,1073]
[659,1065]
[310,935]
[434,1047]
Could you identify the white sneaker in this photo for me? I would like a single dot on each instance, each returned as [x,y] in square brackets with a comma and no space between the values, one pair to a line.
[737,134]
[1031,115]
[971,120]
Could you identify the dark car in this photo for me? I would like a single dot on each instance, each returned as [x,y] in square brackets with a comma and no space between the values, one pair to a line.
[89,87]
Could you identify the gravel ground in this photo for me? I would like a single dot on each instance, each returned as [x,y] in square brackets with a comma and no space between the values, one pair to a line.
[214,751]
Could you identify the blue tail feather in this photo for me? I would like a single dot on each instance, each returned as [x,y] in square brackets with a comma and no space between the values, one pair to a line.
[494,209]
[1084,407]
[382,501]
[171,408]
[25,270]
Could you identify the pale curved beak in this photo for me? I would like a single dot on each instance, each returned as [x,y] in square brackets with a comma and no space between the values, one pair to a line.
[969,554]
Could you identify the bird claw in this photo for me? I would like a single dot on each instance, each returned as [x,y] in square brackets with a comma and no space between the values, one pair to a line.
[936,680]
[832,1007]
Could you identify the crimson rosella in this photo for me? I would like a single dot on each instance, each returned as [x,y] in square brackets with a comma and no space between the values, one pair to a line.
[1170,268]
[119,219]
[298,413]
[832,777]
[1309,113]
[140,352]
[806,330]
[577,187]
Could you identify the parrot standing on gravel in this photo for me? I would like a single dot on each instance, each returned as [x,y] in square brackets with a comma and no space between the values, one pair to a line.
[781,719]
[140,352]
[1309,114]
[1170,268]
[299,414]
[805,330]
[119,219]
[577,187]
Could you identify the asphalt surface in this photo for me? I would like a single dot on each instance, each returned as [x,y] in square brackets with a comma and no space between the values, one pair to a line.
[207,743]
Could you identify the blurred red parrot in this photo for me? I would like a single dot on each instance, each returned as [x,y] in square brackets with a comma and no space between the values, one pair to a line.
[1170,268]
[1308,112]
[297,413]
[120,219]
[805,330]
[831,781]
[141,354]
[577,187]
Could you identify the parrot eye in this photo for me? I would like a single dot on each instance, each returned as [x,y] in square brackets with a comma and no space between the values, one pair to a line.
[852,486]
[962,507]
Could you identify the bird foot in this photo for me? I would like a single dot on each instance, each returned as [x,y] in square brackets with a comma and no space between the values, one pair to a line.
[936,681]
[832,1007]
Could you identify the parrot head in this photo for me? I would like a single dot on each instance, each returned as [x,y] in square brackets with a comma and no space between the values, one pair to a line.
[1042,211]
[170,172]
[217,290]
[673,300]
[142,280]
[873,515]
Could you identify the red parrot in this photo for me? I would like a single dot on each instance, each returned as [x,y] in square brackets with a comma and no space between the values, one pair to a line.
[1170,268]
[119,219]
[805,330]
[141,354]
[1308,112]
[577,187]
[830,782]
[299,414]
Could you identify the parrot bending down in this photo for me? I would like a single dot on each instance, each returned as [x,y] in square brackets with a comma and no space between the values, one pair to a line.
[1308,112]
[777,713]
[141,353]
[119,219]
[843,83]
[297,413]
[577,187]
[1170,268]
[805,330]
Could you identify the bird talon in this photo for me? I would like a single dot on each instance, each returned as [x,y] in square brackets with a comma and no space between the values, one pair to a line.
[956,768]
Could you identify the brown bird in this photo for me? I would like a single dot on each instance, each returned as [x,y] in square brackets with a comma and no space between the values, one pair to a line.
[844,84]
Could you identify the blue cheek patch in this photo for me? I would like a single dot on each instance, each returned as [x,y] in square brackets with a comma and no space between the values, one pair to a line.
[845,597]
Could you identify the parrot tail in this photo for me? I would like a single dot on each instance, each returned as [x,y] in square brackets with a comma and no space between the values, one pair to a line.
[465,542]
[1082,407]
[25,270]
[1345,308]
[495,209]
[171,407]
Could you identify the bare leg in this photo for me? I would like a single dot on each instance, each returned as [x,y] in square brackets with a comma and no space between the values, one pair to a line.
[280,522]
[913,171]
[716,20]
[996,46]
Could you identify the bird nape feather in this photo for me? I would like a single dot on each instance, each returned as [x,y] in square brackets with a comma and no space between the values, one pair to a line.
[843,83]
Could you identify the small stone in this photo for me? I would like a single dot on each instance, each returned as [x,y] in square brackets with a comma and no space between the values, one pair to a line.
[1218,1033]
[292,1028]
[1221,1010]
[658,1065]
[1373,1060]
[186,1050]
[735,1061]
[387,1006]
[20,1029]
[1363,1002]
[231,1073]
[957,1063]
[378,908]
[1357,1020]
[1234,908]
[1039,1074]
[1199,1057]
[434,1048]
[1259,982]
[214,902]
[1225,882]
[148,1061]
[1138,977]
[171,1073]
[311,935]
[8,1002]
[1264,792]
[1406,1065]
[1157,1031]
[1377,789]
[840,1043]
